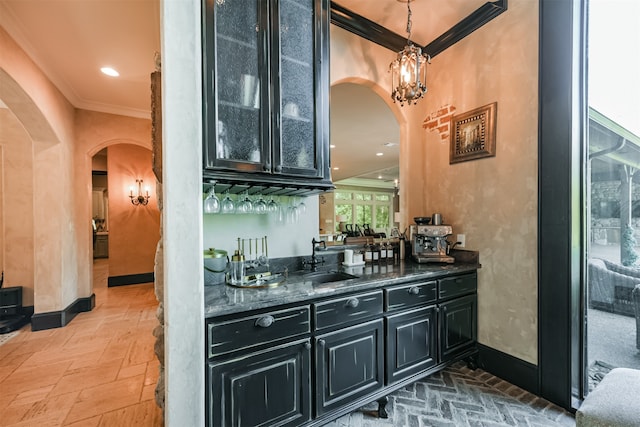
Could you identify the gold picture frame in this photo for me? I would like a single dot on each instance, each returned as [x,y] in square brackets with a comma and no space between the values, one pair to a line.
[473,134]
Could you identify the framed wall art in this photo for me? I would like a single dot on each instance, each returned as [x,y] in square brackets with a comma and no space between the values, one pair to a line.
[473,134]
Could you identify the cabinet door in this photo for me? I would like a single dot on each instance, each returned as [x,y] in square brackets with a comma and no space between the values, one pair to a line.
[411,343]
[349,365]
[299,37]
[263,388]
[458,326]
[236,86]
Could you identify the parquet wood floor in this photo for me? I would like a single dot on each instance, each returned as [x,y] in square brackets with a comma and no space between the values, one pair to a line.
[99,370]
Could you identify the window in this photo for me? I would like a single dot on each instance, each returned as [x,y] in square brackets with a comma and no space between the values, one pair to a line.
[365,207]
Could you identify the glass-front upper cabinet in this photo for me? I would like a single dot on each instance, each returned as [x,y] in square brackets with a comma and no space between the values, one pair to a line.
[266,83]
[234,84]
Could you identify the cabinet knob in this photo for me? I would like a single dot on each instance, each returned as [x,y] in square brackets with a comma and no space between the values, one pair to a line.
[278,168]
[266,167]
[321,343]
[265,321]
[307,345]
[414,290]
[352,302]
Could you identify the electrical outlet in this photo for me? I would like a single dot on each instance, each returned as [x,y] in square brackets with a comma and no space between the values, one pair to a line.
[461,240]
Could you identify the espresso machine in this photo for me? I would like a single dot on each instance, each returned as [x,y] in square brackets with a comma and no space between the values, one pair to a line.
[429,243]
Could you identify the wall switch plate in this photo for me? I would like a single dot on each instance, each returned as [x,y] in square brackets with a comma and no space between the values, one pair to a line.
[461,240]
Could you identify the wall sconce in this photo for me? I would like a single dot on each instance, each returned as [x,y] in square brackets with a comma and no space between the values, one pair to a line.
[139,199]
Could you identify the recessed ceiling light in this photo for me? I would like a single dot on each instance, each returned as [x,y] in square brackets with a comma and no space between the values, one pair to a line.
[379,154]
[109,71]
[379,176]
[332,145]
[335,168]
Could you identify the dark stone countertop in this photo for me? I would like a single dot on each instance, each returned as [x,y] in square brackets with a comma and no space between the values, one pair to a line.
[222,299]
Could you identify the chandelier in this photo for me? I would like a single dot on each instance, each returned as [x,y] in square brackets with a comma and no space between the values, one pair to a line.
[408,70]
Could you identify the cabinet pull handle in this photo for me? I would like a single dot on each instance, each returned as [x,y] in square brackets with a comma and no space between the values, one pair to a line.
[265,321]
[307,345]
[352,302]
[414,290]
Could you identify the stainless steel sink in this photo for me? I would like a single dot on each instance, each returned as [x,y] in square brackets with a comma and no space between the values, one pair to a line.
[328,277]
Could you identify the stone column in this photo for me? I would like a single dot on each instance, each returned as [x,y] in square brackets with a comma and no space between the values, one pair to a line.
[156,137]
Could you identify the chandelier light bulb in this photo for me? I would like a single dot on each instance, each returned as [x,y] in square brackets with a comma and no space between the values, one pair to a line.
[409,71]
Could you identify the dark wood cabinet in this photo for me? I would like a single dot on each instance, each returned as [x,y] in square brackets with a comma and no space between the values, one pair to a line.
[303,364]
[266,88]
[101,246]
[265,388]
[349,365]
[411,343]
[458,326]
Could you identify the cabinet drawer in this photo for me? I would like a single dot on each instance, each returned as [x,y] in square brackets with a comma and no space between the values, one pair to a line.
[410,295]
[347,309]
[257,329]
[459,285]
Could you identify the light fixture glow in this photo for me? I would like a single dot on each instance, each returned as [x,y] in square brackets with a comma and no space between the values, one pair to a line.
[139,199]
[332,146]
[379,176]
[335,168]
[408,70]
[379,154]
[109,71]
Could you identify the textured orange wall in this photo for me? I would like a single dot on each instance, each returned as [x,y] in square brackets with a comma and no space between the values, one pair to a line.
[47,117]
[16,206]
[493,201]
[134,231]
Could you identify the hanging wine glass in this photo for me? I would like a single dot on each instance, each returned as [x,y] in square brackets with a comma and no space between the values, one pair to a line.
[211,204]
[260,205]
[226,205]
[272,206]
[302,208]
[244,205]
[292,212]
[281,213]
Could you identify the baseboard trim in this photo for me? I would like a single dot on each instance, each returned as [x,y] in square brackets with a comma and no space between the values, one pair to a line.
[130,279]
[509,368]
[58,319]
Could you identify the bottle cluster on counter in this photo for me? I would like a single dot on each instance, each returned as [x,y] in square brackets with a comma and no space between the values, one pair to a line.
[383,251]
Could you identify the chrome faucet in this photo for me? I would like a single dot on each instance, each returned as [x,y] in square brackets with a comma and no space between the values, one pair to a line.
[314,260]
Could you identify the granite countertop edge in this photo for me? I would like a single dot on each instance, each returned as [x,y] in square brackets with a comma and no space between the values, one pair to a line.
[222,299]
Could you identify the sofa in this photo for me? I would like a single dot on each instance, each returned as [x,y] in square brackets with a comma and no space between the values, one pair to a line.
[610,286]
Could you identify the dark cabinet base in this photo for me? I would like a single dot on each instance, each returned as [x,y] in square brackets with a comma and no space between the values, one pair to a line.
[314,362]
[262,389]
[458,326]
[349,365]
[411,343]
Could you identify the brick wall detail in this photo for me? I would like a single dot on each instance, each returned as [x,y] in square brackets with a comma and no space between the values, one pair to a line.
[440,121]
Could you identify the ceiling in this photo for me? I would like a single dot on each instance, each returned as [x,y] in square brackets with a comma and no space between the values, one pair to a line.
[71,40]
